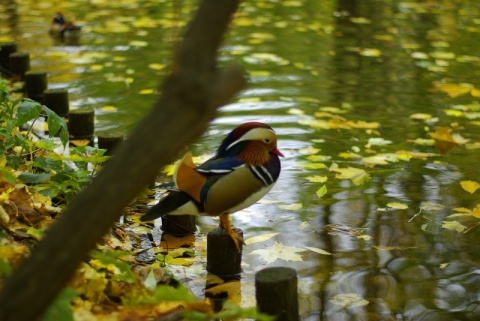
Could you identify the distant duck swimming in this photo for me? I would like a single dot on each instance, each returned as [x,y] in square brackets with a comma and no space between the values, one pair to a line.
[64,32]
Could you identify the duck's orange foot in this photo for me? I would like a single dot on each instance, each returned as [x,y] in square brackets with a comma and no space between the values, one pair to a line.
[236,237]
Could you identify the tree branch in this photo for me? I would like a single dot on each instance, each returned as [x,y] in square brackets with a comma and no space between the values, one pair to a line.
[189,100]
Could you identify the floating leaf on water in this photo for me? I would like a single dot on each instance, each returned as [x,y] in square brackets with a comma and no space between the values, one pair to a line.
[279,251]
[321,191]
[380,159]
[350,300]
[360,20]
[146,91]
[454,226]
[333,110]
[138,43]
[442,55]
[371,52]
[311,166]
[317,250]
[296,111]
[419,55]
[364,237]
[257,58]
[420,116]
[308,99]
[444,140]
[338,229]
[349,155]
[356,175]
[398,206]
[96,67]
[318,158]
[459,139]
[378,141]
[452,90]
[292,3]
[431,206]
[156,66]
[260,73]
[317,179]
[422,141]
[309,150]
[250,100]
[260,238]
[291,207]
[475,92]
[454,112]
[406,155]
[475,145]
[304,225]
[470,186]
[109,108]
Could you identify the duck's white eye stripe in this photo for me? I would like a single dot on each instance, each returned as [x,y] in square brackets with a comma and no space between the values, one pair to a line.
[254,134]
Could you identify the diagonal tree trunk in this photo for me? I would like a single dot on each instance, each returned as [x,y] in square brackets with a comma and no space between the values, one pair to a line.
[190,97]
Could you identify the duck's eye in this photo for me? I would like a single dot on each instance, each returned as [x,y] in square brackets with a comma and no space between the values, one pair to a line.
[267,140]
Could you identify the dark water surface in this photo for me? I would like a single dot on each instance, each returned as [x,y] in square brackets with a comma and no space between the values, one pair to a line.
[340,81]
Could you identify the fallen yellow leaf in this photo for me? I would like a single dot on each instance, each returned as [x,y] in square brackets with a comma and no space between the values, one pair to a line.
[291,207]
[398,206]
[260,238]
[356,175]
[470,186]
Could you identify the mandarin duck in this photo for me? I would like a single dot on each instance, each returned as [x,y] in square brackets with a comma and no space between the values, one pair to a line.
[245,168]
[63,31]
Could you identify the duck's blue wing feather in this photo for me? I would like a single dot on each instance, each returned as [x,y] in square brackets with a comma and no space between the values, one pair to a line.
[218,166]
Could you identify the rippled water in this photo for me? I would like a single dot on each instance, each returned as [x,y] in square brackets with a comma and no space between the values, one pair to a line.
[375,61]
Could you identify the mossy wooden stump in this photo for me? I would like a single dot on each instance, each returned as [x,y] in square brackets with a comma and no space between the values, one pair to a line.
[35,84]
[81,124]
[57,100]
[6,49]
[19,64]
[223,258]
[276,293]
[109,142]
[179,225]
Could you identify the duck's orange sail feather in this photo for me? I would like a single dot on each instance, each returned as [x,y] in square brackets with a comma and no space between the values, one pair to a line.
[187,179]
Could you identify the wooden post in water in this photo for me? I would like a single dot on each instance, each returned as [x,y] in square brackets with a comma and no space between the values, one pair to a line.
[223,258]
[57,100]
[179,225]
[19,64]
[6,49]
[35,84]
[276,293]
[109,142]
[81,124]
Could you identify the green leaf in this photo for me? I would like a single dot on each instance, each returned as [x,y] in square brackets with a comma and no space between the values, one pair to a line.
[56,124]
[32,178]
[36,233]
[5,268]
[28,110]
[125,270]
[454,226]
[322,191]
[60,309]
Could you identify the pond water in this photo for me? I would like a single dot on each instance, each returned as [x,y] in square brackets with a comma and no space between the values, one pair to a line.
[354,89]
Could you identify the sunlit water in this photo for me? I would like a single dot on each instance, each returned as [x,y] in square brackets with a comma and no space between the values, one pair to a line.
[371,62]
